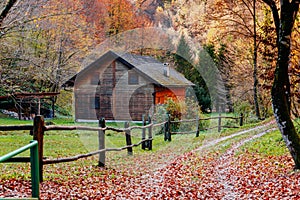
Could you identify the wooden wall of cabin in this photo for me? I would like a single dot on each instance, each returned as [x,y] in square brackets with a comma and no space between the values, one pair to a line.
[132,96]
[112,92]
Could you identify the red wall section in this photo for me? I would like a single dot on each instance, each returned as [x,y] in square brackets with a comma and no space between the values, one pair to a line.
[162,94]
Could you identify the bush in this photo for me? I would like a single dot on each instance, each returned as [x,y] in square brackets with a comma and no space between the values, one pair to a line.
[242,107]
[180,110]
[64,103]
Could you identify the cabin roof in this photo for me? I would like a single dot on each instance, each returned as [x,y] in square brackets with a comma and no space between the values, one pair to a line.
[146,66]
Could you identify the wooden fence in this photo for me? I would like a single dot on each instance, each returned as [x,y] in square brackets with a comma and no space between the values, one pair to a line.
[39,128]
[168,124]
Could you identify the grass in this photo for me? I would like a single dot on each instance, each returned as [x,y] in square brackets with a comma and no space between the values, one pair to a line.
[270,144]
[12,121]
[225,145]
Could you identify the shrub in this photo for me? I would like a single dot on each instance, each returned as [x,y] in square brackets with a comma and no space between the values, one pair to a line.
[64,103]
[180,110]
[243,107]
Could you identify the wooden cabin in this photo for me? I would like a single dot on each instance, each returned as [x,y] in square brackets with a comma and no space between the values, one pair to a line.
[123,86]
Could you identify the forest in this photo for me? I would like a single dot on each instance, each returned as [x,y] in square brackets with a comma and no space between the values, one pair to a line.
[43,43]
[254,45]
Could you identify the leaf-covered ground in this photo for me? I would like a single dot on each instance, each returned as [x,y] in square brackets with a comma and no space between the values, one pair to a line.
[232,173]
[191,176]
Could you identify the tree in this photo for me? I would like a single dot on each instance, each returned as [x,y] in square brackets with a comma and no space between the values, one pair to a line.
[267,51]
[39,54]
[14,16]
[295,70]
[183,61]
[281,93]
[238,19]
[255,47]
[111,17]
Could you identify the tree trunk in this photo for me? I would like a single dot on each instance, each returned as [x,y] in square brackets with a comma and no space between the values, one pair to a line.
[255,79]
[281,86]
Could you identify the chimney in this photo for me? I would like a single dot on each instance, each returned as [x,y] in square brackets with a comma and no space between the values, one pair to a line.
[167,69]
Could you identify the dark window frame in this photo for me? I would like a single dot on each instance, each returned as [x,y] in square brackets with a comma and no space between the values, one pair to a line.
[133,78]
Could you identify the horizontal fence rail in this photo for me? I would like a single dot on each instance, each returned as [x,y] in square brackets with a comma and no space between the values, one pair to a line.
[170,123]
[77,157]
[16,128]
[35,182]
[88,128]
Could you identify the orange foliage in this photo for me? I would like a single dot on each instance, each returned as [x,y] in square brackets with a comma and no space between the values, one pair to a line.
[294,69]
[110,17]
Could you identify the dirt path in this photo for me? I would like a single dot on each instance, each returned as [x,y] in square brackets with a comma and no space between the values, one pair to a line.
[224,168]
[166,180]
[260,128]
[204,174]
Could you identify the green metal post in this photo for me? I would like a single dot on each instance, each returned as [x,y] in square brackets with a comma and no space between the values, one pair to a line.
[35,171]
[34,161]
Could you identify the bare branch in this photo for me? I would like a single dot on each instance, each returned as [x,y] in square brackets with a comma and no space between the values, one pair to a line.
[6,10]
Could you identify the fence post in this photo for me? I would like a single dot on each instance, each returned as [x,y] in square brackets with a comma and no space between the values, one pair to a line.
[166,128]
[198,126]
[241,119]
[128,139]
[144,133]
[101,139]
[35,176]
[149,134]
[219,123]
[38,135]
[169,137]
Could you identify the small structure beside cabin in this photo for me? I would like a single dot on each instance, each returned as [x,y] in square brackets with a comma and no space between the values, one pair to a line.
[124,87]
[27,105]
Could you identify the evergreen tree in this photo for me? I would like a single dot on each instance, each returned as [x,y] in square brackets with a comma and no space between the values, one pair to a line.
[183,62]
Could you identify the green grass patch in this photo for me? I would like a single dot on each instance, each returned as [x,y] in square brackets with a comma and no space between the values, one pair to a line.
[271,144]
[13,121]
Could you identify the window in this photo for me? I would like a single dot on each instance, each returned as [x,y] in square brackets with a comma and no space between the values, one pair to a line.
[94,102]
[95,79]
[97,102]
[133,78]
